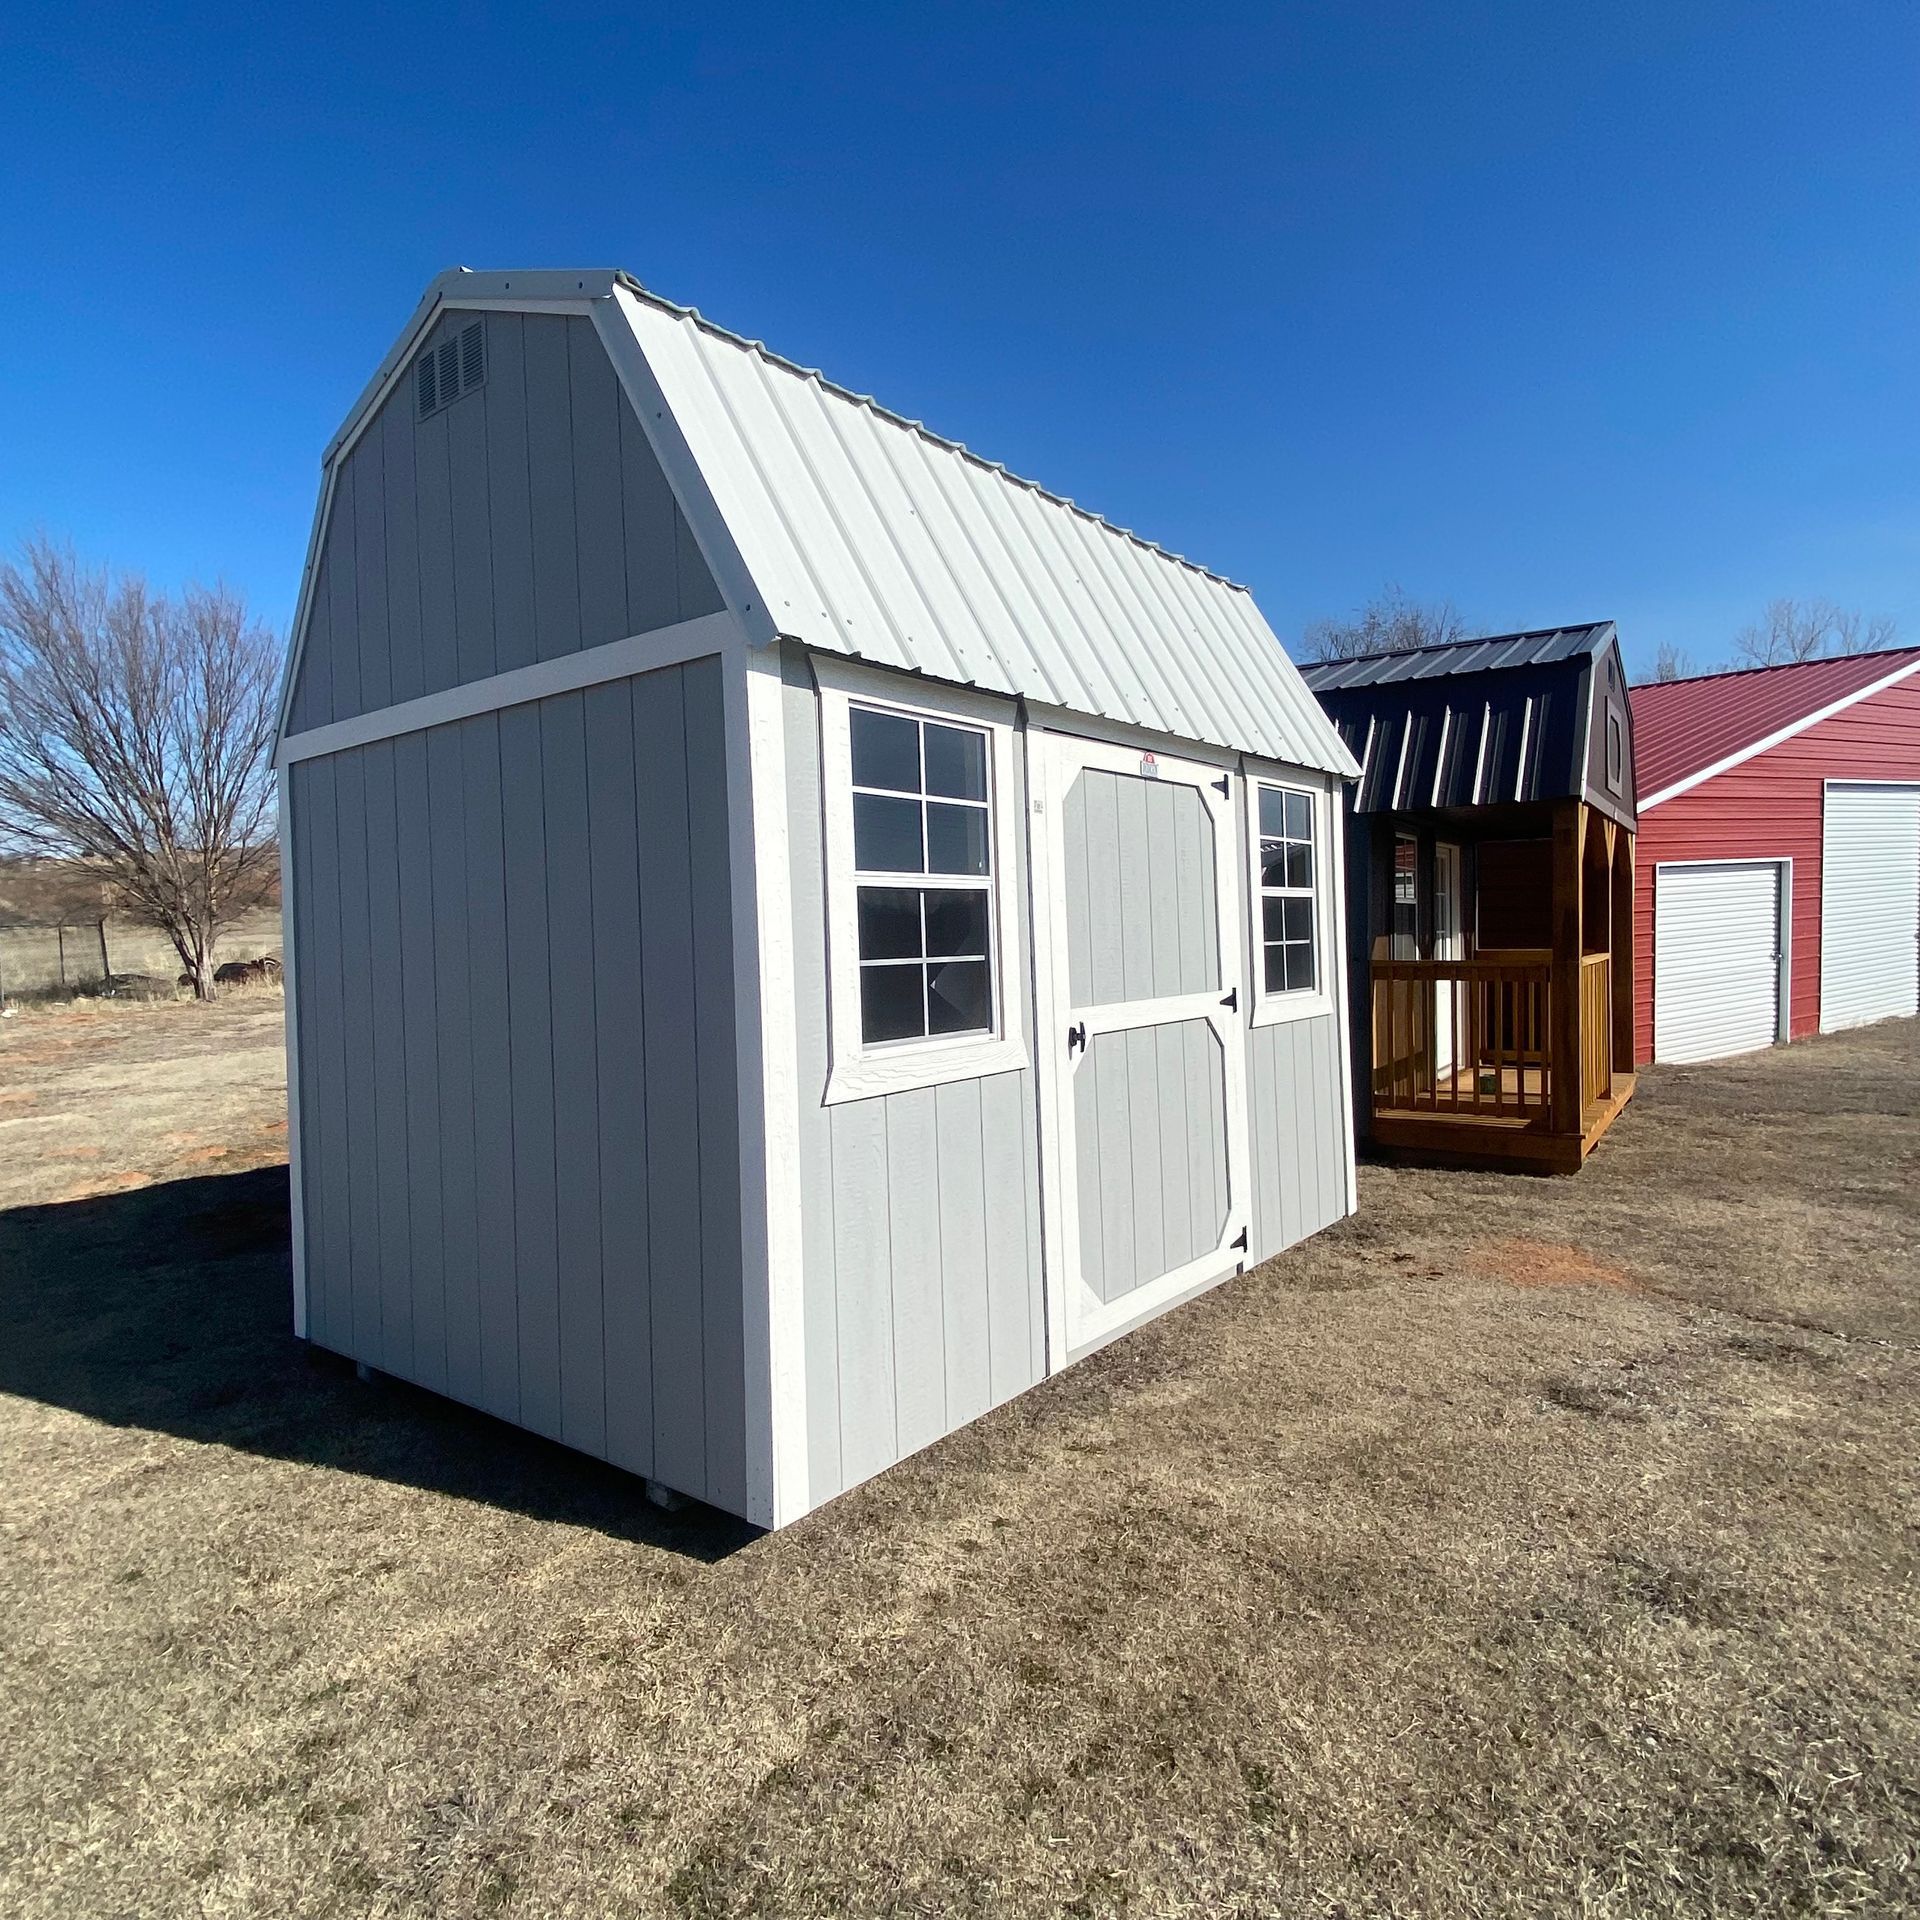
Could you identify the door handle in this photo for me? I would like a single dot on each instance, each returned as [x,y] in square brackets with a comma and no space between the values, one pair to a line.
[1076,1037]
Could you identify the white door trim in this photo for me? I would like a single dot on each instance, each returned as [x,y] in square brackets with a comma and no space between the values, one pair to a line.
[1054,759]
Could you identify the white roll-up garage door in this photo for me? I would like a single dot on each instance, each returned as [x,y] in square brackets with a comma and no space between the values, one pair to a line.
[1870,905]
[1716,960]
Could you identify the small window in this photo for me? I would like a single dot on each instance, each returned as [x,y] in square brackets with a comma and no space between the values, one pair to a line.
[1616,751]
[1289,913]
[920,808]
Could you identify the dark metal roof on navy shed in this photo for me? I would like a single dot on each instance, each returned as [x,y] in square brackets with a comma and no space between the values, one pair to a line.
[1475,723]
[1542,646]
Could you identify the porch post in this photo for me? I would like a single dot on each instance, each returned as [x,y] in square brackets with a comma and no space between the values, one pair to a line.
[1569,876]
[1623,952]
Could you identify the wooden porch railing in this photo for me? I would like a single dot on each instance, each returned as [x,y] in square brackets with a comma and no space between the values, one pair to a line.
[1465,1037]
[1596,1027]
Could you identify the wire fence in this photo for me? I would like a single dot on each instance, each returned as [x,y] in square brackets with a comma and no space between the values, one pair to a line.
[68,957]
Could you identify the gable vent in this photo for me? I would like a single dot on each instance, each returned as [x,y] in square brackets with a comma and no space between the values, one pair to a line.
[455,367]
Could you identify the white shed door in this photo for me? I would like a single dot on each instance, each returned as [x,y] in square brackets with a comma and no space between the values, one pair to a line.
[1870,905]
[1716,960]
[1141,1049]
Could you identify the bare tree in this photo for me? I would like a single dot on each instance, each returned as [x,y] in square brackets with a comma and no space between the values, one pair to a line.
[1673,663]
[1388,623]
[1794,630]
[134,736]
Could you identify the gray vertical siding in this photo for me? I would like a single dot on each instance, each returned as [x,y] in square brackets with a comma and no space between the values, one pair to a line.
[1150,1130]
[920,1210]
[518,1089]
[527,520]
[1142,913]
[1297,1132]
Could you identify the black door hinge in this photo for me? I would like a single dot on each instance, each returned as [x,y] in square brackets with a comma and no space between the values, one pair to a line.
[1233,999]
[1225,786]
[1239,1245]
[1076,1037]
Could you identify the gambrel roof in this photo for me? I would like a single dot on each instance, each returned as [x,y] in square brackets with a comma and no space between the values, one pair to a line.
[855,531]
[1505,719]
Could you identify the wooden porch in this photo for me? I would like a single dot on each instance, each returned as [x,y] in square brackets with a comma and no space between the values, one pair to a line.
[1518,1056]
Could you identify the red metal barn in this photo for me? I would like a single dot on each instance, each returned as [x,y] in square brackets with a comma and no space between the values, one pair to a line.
[1778,883]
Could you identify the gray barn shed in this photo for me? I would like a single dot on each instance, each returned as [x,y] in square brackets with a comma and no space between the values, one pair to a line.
[794,934]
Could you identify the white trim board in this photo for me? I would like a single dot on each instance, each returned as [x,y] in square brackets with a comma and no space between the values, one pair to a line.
[1343,993]
[613,322]
[1781,735]
[394,368]
[1055,759]
[454,291]
[303,606]
[1123,733]
[670,646]
[1275,1009]
[856,1071]
[779,1487]
[537,291]
[290,990]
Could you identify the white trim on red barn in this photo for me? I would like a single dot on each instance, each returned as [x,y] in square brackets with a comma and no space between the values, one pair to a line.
[1780,735]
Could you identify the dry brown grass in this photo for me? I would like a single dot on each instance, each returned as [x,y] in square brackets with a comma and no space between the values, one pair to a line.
[1519,1548]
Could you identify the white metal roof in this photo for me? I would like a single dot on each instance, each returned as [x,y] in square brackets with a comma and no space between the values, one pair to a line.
[867,535]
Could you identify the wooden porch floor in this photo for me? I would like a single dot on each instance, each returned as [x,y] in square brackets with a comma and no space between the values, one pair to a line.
[1524,1141]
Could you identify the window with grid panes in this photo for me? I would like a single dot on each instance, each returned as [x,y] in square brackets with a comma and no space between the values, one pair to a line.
[923,876]
[1287,881]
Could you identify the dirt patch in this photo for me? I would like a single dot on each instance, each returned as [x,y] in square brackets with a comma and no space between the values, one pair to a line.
[139,1091]
[1546,1263]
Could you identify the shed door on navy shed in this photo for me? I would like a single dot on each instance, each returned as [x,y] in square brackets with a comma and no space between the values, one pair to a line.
[1141,1039]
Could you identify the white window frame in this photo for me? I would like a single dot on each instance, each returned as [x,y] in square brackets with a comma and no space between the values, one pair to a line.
[858,1071]
[1270,1008]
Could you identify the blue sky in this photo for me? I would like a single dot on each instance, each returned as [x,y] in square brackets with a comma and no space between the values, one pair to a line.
[1556,313]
